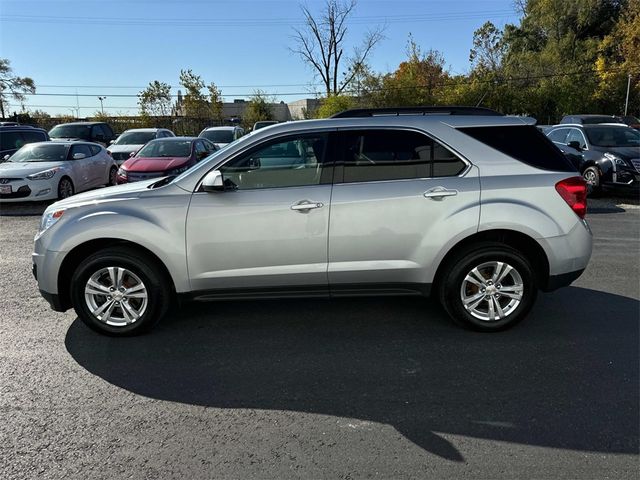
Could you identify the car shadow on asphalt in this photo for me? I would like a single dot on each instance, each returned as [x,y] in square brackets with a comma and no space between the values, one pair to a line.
[567,377]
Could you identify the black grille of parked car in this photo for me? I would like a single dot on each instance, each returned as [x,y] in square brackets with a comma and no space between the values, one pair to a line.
[136,177]
[120,155]
[4,181]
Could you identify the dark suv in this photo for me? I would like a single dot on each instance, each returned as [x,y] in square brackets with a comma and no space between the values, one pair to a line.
[13,137]
[606,155]
[97,132]
[590,119]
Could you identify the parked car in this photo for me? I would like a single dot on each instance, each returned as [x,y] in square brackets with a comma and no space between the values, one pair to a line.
[262,124]
[96,132]
[165,156]
[13,137]
[50,170]
[222,136]
[130,141]
[607,156]
[406,217]
[590,119]
[631,121]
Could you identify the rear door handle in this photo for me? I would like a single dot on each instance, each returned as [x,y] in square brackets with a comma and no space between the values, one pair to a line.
[305,205]
[438,193]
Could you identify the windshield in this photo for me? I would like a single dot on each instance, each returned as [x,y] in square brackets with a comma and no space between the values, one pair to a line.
[71,131]
[218,136]
[166,148]
[50,152]
[613,136]
[135,138]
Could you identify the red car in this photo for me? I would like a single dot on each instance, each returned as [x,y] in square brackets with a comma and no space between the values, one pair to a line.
[165,156]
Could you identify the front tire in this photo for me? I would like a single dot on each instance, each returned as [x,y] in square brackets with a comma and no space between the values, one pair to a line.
[120,292]
[65,188]
[591,175]
[488,287]
[113,177]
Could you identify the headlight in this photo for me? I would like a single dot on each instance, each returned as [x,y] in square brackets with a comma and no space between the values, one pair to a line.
[49,219]
[44,175]
[122,172]
[615,159]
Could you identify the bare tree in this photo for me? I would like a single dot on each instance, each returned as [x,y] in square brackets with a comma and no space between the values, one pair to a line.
[320,44]
[12,86]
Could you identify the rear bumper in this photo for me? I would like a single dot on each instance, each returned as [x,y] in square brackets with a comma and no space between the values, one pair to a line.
[562,280]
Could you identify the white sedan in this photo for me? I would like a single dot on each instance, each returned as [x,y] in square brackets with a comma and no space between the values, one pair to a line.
[55,170]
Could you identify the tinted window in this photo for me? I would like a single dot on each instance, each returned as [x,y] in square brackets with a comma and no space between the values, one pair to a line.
[218,136]
[80,149]
[575,135]
[524,143]
[375,155]
[296,161]
[35,136]
[611,136]
[95,149]
[559,135]
[71,131]
[135,138]
[11,140]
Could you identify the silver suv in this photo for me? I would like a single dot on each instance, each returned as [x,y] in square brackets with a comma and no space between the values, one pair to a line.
[480,209]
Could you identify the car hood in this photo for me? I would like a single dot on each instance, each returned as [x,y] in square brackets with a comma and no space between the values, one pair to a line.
[104,195]
[22,169]
[623,152]
[154,164]
[124,148]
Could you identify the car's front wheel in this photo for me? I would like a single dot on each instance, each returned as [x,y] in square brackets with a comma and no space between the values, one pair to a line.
[488,288]
[65,188]
[592,176]
[113,177]
[120,291]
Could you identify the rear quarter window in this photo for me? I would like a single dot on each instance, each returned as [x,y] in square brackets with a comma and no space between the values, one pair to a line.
[524,143]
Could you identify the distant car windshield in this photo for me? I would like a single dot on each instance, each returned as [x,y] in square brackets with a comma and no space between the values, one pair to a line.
[613,136]
[71,131]
[51,152]
[166,148]
[135,138]
[596,120]
[259,125]
[218,136]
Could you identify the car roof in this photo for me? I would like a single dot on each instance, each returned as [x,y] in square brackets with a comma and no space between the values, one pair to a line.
[70,142]
[175,139]
[18,127]
[221,128]
[81,123]
[143,130]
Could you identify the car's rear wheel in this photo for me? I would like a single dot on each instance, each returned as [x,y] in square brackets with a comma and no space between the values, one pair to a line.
[119,291]
[65,188]
[488,288]
[113,176]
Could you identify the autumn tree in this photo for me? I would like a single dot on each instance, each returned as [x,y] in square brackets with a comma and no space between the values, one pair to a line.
[194,101]
[155,100]
[321,44]
[215,102]
[258,109]
[12,86]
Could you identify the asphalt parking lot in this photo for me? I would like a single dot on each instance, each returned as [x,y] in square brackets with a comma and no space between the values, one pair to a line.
[351,388]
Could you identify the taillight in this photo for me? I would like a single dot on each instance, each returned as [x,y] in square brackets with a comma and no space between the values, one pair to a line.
[573,190]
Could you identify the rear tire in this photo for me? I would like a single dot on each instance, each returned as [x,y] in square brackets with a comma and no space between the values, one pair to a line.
[488,287]
[120,291]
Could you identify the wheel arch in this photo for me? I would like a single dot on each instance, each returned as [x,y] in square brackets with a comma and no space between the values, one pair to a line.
[511,238]
[83,250]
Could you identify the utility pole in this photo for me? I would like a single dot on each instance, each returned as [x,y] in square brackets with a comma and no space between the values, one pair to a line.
[101,107]
[626,102]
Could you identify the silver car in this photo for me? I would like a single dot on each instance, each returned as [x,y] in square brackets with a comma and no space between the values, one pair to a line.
[478,209]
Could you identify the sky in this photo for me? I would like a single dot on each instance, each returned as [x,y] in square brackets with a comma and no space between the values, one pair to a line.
[79,50]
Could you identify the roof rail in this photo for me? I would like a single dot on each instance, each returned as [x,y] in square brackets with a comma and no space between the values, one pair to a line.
[440,110]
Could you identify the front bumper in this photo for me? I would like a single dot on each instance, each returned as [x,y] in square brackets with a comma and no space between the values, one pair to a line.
[562,280]
[23,190]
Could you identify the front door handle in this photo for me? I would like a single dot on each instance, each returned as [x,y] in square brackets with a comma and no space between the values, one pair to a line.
[438,193]
[305,205]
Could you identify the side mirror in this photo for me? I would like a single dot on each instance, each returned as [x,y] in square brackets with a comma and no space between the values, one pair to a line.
[132,154]
[79,156]
[112,142]
[6,157]
[213,182]
[574,144]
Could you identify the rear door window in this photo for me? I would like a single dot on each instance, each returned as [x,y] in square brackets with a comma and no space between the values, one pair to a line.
[386,154]
[524,143]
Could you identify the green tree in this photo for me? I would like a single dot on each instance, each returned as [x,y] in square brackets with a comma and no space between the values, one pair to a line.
[194,101]
[258,109]
[155,100]
[215,102]
[335,104]
[12,87]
